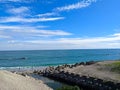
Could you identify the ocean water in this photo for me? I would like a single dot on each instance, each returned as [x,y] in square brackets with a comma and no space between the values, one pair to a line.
[39,58]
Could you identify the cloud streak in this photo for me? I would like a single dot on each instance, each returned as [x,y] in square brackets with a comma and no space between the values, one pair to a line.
[28,20]
[4,37]
[82,4]
[110,41]
[78,41]
[29,32]
[19,10]
[16,1]
[43,32]
[47,14]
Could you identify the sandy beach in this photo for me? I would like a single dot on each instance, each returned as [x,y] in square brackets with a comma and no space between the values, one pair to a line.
[12,81]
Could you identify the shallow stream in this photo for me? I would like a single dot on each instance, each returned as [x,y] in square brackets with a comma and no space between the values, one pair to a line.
[51,83]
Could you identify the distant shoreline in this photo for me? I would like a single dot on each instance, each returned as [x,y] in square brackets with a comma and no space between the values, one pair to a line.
[32,68]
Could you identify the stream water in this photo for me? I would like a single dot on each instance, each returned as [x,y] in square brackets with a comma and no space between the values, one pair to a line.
[51,83]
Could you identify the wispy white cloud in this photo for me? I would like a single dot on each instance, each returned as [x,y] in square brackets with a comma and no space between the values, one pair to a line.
[79,41]
[28,20]
[110,41]
[81,4]
[19,10]
[40,33]
[116,34]
[23,15]
[30,32]
[16,0]
[26,1]
[47,14]
[44,32]
[5,36]
[19,27]
[24,37]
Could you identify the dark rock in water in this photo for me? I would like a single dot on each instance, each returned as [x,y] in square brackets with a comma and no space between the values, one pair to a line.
[23,58]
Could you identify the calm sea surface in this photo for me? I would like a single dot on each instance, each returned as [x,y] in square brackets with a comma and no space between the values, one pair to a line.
[36,58]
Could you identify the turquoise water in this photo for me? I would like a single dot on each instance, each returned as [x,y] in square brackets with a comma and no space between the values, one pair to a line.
[35,58]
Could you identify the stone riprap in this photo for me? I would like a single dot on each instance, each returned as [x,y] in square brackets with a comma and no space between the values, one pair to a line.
[86,82]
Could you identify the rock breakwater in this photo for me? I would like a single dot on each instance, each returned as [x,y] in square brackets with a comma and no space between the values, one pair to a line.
[86,82]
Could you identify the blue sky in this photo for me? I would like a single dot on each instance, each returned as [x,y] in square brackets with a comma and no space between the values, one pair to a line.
[59,24]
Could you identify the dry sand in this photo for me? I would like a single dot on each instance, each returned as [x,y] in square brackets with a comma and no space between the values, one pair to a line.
[97,70]
[12,81]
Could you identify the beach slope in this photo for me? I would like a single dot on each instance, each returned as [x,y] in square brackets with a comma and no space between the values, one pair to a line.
[12,81]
